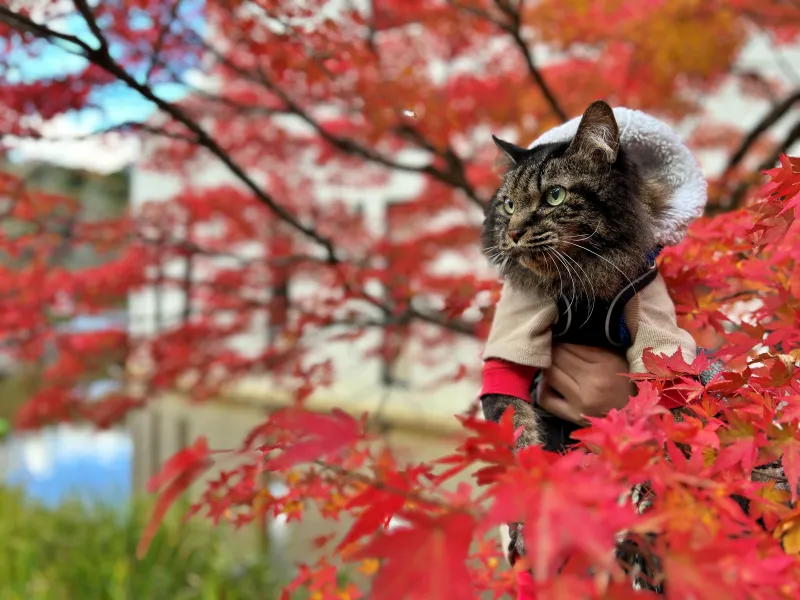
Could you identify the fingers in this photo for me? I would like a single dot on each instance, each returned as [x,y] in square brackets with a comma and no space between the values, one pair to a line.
[567,360]
[583,353]
[560,380]
[589,381]
[559,407]
[577,355]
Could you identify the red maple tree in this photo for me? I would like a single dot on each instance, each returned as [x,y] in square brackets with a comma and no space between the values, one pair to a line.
[315,109]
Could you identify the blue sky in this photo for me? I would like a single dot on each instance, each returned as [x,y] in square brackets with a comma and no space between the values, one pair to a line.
[118,102]
[115,104]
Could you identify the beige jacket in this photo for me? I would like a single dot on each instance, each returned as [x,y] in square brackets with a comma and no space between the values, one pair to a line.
[521,334]
[520,330]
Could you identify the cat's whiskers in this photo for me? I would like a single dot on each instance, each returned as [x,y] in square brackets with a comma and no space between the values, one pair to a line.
[592,296]
[601,258]
[547,251]
[577,238]
[572,270]
[547,256]
[560,257]
[494,257]
[560,278]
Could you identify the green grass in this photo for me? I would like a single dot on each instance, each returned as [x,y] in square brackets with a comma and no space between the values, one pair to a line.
[81,553]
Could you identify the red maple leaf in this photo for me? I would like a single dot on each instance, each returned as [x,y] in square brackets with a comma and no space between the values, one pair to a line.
[425,561]
[785,181]
[177,474]
[560,518]
[321,435]
[791,463]
[742,453]
[379,504]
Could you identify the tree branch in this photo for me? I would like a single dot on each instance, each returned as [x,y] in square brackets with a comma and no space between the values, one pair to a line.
[23,23]
[104,60]
[162,36]
[101,58]
[758,79]
[86,13]
[739,195]
[767,121]
[454,176]
[515,30]
[118,128]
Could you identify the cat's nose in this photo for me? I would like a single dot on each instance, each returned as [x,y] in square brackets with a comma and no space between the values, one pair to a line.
[515,234]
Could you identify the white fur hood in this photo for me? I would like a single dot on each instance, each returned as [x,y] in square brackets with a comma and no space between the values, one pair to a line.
[660,154]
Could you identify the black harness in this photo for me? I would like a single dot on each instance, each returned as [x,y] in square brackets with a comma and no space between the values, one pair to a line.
[591,322]
[601,323]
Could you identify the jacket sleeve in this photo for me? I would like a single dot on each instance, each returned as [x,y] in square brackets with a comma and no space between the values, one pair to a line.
[520,331]
[656,326]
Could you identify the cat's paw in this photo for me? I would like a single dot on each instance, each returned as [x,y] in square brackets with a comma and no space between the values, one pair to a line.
[528,437]
[527,424]
[516,547]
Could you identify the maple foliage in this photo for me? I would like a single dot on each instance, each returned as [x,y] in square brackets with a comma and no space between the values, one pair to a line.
[319,110]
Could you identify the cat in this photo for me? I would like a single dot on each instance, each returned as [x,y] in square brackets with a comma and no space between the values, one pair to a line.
[554,194]
[571,221]
[578,222]
[578,207]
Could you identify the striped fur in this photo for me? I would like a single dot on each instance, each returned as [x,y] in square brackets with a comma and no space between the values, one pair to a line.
[595,240]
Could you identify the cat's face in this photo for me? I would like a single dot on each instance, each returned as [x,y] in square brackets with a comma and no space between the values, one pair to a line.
[571,218]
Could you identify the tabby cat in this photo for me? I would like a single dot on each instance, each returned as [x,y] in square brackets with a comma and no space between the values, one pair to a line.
[574,222]
[569,221]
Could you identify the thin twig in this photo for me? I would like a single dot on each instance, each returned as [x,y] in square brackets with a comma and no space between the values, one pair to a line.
[162,37]
[86,12]
[739,195]
[515,30]
[767,121]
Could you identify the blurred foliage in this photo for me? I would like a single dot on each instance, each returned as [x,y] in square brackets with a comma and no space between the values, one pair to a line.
[16,387]
[94,198]
[78,552]
[101,195]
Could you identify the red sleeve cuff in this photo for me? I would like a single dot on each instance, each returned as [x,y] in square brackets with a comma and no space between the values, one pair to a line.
[511,379]
[507,378]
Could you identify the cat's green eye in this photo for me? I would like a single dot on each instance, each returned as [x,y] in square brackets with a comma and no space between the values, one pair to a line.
[555,195]
[508,205]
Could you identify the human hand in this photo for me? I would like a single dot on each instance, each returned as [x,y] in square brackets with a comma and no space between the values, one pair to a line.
[583,380]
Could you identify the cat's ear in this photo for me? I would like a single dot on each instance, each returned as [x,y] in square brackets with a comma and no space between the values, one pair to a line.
[511,155]
[598,134]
